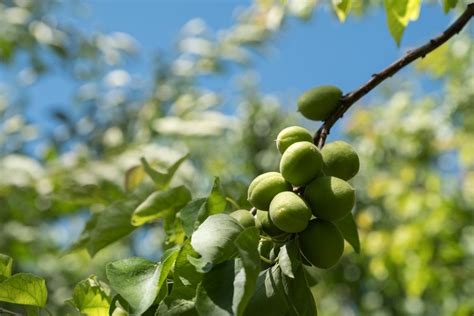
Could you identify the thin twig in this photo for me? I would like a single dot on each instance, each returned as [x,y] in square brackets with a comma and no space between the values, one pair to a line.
[349,99]
[3,310]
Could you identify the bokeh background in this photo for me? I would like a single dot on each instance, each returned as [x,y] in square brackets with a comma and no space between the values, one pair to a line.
[89,87]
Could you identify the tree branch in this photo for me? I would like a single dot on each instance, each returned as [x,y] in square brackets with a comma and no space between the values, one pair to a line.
[349,99]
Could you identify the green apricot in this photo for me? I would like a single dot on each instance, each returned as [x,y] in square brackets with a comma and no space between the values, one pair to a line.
[264,222]
[318,103]
[289,212]
[321,243]
[291,135]
[340,160]
[264,187]
[244,218]
[330,198]
[301,163]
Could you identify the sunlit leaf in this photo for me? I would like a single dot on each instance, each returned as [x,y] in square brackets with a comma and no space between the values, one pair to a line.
[133,177]
[159,204]
[6,263]
[24,289]
[91,297]
[399,14]
[342,8]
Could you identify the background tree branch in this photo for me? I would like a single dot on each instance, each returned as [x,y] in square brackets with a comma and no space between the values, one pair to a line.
[352,97]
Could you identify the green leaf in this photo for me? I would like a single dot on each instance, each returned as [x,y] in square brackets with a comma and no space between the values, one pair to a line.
[246,276]
[399,14]
[136,280]
[347,226]
[268,297]
[288,258]
[449,4]
[198,210]
[298,294]
[112,224]
[185,274]
[6,263]
[214,238]
[214,294]
[166,266]
[162,179]
[175,306]
[91,297]
[342,8]
[216,202]
[133,177]
[228,287]
[24,289]
[159,204]
[190,213]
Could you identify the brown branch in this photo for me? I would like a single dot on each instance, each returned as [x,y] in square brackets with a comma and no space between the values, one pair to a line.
[349,99]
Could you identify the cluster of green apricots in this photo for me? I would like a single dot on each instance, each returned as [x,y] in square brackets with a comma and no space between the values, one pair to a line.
[308,195]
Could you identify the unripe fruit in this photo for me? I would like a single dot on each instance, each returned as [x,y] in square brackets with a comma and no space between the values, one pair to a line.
[321,243]
[340,160]
[264,187]
[330,198]
[291,135]
[318,103]
[289,212]
[264,222]
[301,163]
[244,218]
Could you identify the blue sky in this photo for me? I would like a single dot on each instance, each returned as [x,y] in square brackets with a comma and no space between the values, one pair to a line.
[304,54]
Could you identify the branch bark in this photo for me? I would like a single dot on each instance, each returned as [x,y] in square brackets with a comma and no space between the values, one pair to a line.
[352,97]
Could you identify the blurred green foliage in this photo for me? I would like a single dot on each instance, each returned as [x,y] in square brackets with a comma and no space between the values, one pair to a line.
[415,189]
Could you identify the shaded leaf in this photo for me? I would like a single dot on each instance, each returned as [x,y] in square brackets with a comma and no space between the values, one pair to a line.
[91,297]
[112,224]
[214,239]
[24,289]
[198,210]
[347,226]
[136,280]
[167,263]
[159,204]
[288,258]
[449,4]
[246,276]
[190,213]
[216,202]
[162,179]
[268,297]
[176,307]
[185,274]
[6,263]
[298,294]
[214,294]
